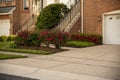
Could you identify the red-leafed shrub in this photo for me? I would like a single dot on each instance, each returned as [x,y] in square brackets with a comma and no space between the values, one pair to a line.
[25,38]
[22,38]
[97,39]
[59,38]
[56,38]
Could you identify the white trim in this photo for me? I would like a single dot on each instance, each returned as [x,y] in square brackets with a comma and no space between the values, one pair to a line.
[103,23]
[4,13]
[10,12]
[112,12]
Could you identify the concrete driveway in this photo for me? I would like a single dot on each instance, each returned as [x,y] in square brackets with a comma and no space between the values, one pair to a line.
[92,63]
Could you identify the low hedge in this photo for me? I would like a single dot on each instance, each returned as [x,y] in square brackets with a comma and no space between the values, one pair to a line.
[7,38]
[96,39]
[26,38]
[79,44]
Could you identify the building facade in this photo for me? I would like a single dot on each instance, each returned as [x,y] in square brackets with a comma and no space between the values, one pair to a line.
[93,11]
[100,17]
[16,15]
[95,17]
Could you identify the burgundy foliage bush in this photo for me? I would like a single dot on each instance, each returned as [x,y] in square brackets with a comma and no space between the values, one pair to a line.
[25,38]
[97,39]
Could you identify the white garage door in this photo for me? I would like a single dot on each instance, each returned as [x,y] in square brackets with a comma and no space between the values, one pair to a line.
[111,29]
[4,27]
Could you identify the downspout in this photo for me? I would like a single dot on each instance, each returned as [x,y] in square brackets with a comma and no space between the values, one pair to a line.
[82,16]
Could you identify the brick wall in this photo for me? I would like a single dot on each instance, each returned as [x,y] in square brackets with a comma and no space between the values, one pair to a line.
[21,17]
[95,8]
[4,17]
[16,17]
[26,15]
[4,3]
[76,28]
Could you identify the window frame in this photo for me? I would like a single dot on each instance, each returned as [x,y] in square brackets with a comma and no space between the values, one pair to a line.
[27,4]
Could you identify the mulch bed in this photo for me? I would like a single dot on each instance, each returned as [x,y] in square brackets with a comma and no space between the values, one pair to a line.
[50,49]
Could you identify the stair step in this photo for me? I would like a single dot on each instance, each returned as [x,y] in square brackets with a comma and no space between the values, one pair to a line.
[74,14]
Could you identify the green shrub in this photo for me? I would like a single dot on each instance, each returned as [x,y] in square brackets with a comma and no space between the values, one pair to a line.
[79,44]
[25,38]
[13,45]
[22,38]
[96,39]
[11,38]
[10,44]
[50,16]
[34,39]
[3,38]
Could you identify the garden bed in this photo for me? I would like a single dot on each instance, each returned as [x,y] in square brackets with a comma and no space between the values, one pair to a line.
[43,48]
[5,46]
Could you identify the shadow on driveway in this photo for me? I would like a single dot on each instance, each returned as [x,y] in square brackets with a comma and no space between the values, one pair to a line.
[11,77]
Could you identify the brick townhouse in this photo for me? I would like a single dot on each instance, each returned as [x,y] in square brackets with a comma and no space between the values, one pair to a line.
[99,17]
[95,16]
[17,15]
[102,17]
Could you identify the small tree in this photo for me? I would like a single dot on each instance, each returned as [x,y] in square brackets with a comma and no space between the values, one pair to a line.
[50,16]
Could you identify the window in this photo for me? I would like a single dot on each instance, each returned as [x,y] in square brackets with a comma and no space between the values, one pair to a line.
[0,1]
[26,4]
[9,1]
[6,1]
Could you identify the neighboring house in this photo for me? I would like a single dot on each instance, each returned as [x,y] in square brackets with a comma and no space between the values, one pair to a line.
[16,15]
[94,16]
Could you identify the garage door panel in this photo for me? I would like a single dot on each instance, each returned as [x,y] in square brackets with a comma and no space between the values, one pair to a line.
[112,29]
[4,27]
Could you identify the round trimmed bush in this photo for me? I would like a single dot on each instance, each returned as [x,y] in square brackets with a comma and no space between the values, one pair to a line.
[50,16]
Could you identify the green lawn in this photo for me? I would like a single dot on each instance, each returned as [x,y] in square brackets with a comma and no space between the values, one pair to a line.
[10,56]
[5,46]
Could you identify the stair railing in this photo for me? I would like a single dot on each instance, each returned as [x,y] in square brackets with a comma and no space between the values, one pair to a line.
[74,6]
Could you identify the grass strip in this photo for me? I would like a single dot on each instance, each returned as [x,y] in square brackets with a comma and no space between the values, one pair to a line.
[10,56]
[30,51]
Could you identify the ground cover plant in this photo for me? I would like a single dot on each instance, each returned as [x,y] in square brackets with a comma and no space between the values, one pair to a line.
[7,46]
[79,44]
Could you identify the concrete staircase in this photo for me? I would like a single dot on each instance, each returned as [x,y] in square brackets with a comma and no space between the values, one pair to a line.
[71,18]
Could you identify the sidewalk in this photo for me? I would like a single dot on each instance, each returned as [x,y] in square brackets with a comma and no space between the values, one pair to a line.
[43,74]
[93,63]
